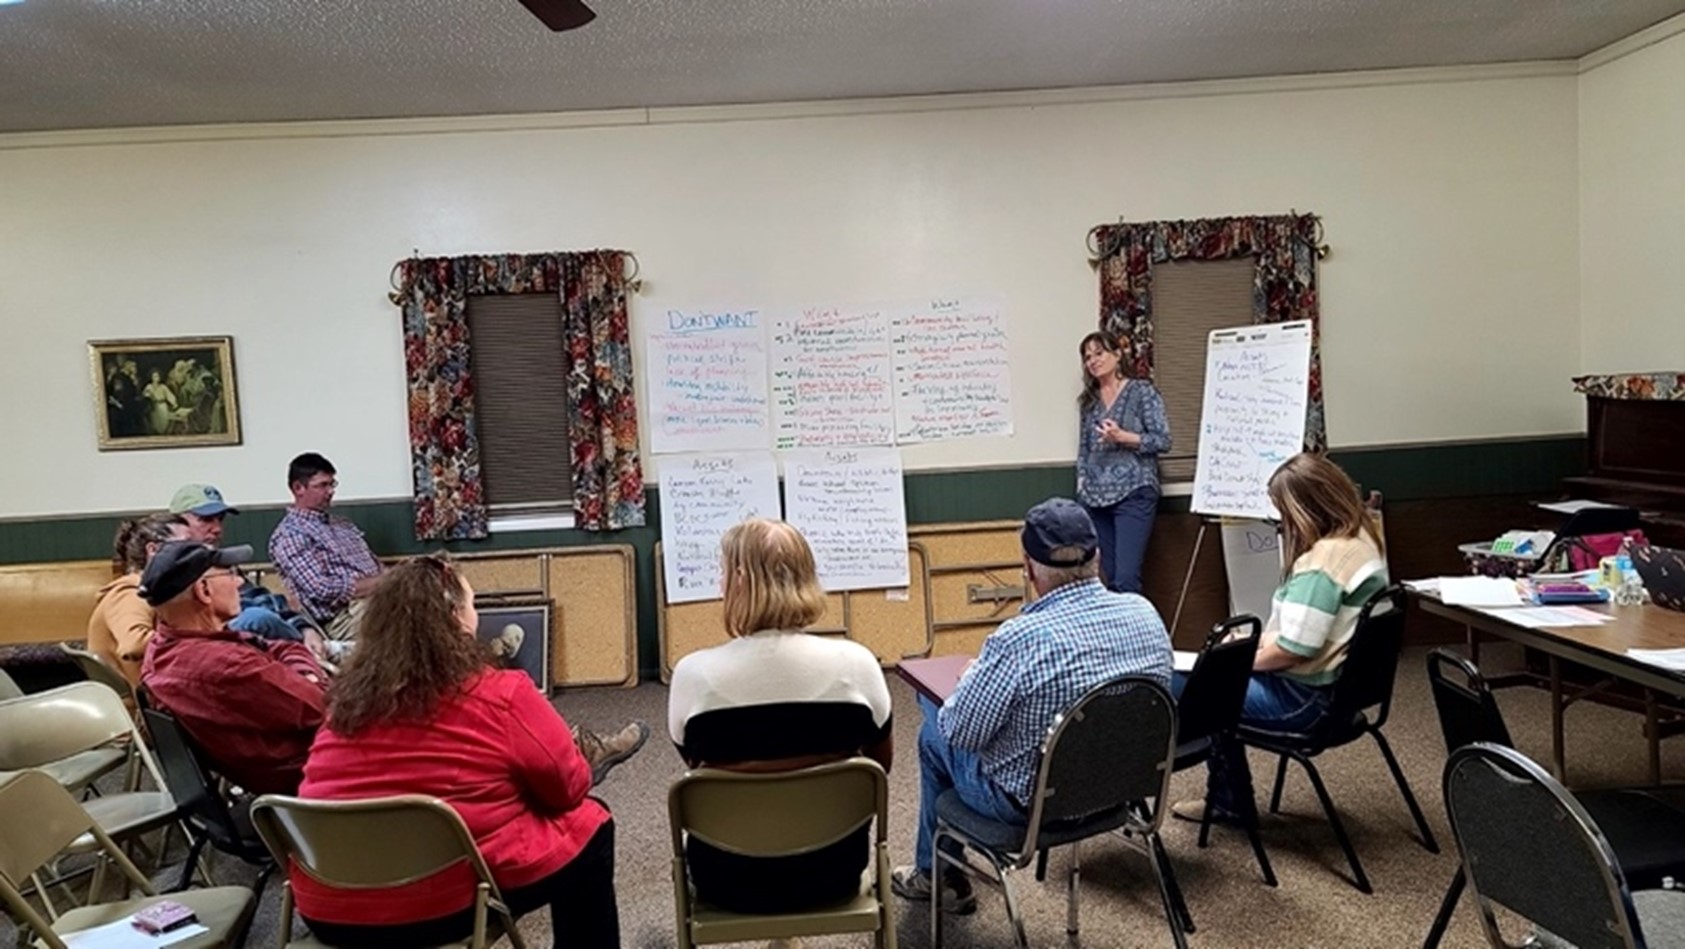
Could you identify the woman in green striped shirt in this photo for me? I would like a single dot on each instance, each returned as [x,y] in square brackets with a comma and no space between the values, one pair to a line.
[1333,564]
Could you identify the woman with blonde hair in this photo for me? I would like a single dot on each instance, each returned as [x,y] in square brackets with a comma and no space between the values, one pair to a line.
[1332,564]
[419,709]
[776,698]
[122,623]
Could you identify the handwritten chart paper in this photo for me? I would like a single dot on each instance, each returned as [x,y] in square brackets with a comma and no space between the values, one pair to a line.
[707,381]
[832,378]
[849,505]
[1253,416]
[701,497]
[951,371]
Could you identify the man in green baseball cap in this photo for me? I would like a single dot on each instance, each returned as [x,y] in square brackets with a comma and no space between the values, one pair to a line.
[261,611]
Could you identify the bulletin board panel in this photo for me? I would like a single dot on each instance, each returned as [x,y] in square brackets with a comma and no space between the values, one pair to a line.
[966,580]
[594,615]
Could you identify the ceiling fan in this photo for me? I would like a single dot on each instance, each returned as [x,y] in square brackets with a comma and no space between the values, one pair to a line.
[560,15]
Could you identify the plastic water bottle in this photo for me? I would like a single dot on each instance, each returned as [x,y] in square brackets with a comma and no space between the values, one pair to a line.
[1631,590]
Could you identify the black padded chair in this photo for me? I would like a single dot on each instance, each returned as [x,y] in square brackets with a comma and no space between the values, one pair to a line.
[209,816]
[1366,681]
[1209,709]
[1644,826]
[1529,847]
[1105,766]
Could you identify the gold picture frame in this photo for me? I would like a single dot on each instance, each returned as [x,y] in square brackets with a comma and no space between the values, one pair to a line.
[176,392]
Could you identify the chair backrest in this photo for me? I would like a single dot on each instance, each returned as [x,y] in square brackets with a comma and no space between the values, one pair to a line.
[8,687]
[1468,711]
[1215,691]
[374,843]
[185,776]
[43,727]
[1114,748]
[38,819]
[96,670]
[1366,676]
[779,813]
[1527,845]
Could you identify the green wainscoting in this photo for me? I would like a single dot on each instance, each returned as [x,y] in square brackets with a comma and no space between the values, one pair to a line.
[1503,468]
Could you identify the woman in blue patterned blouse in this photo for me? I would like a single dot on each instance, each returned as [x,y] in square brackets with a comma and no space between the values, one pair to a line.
[1123,431]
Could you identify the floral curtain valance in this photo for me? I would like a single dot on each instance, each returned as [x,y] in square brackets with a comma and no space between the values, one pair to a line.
[433,293]
[1283,287]
[1639,386]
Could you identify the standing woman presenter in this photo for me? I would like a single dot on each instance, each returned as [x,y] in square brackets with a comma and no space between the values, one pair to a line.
[1122,432]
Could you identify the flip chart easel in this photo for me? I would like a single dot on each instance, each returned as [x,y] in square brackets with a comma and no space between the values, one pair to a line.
[1252,418]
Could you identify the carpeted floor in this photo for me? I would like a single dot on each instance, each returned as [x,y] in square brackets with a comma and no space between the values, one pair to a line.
[1313,906]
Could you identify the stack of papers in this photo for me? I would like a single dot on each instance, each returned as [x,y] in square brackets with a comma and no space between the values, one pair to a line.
[1672,660]
[1537,617]
[123,935]
[1479,591]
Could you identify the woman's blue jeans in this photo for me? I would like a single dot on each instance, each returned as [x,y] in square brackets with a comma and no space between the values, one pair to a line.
[1273,702]
[1123,529]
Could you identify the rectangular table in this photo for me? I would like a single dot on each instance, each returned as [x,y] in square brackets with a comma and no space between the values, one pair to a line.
[934,678]
[1601,647]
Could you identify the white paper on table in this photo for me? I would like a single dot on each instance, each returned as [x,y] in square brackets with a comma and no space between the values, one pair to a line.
[1182,660]
[1572,507]
[1539,617]
[1425,585]
[123,935]
[1670,659]
[1479,591]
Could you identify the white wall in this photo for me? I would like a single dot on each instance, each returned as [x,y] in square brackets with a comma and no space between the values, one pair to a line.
[1450,199]
[1632,210]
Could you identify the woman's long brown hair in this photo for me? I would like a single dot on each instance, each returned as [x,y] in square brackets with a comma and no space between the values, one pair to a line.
[1120,348]
[411,654]
[128,551]
[1317,499]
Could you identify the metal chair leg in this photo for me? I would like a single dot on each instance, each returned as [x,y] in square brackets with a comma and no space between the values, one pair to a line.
[1447,908]
[1359,878]
[187,866]
[1041,865]
[1257,839]
[1012,913]
[1072,883]
[1166,894]
[1280,779]
[1428,840]
[1161,857]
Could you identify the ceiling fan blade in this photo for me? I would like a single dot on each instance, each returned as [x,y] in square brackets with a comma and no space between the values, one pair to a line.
[560,15]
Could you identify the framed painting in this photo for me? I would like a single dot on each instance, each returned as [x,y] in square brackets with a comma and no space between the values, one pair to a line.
[518,637]
[165,393]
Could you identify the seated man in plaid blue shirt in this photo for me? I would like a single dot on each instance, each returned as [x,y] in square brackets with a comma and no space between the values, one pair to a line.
[984,741]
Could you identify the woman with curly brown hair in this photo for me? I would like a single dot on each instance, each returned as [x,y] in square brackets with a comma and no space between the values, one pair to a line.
[419,709]
[122,623]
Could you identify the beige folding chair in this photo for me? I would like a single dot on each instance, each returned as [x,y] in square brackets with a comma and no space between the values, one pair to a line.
[83,717]
[97,670]
[774,815]
[49,731]
[376,844]
[39,819]
[8,687]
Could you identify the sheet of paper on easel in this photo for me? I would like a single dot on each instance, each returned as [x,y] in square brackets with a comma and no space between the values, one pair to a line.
[1252,557]
[1257,382]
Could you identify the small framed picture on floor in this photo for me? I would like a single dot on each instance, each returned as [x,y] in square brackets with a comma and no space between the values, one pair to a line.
[518,637]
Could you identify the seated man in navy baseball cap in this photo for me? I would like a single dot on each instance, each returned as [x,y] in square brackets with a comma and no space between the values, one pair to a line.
[983,743]
[262,611]
[252,704]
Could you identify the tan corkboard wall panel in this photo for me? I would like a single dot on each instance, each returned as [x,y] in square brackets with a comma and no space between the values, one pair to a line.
[894,625]
[976,581]
[595,591]
[49,602]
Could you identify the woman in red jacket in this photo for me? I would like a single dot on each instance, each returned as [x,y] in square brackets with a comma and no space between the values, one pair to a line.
[418,709]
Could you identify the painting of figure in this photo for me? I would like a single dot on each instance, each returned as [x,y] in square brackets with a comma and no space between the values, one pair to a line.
[165,393]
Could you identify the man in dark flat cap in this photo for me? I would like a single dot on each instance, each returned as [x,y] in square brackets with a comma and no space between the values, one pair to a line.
[253,705]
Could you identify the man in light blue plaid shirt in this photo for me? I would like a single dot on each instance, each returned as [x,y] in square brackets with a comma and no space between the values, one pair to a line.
[984,742]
